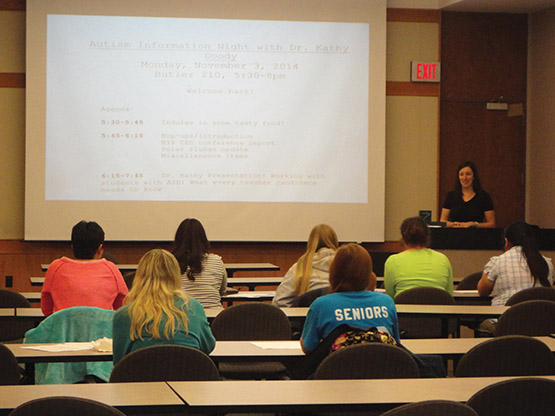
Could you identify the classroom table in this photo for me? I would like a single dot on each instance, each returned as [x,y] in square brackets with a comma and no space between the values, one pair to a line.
[462,297]
[248,296]
[324,395]
[131,398]
[257,396]
[230,267]
[299,314]
[253,282]
[449,348]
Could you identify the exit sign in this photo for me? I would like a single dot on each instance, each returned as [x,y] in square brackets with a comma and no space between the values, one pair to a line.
[425,71]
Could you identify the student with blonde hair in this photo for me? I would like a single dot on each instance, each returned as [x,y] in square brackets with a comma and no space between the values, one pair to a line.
[158,311]
[311,271]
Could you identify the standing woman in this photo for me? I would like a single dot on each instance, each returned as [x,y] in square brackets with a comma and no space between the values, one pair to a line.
[311,271]
[520,267]
[203,274]
[468,205]
[158,311]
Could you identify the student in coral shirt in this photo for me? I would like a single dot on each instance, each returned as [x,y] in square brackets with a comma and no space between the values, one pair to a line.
[87,280]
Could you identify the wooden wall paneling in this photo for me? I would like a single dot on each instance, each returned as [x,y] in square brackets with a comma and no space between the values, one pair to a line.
[13,5]
[484,56]
[495,143]
[12,80]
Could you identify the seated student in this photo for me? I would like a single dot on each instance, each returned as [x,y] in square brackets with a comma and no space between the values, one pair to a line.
[311,271]
[351,300]
[203,274]
[87,280]
[158,311]
[520,267]
[417,265]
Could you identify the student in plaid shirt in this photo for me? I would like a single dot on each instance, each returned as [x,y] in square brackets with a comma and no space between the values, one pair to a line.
[520,267]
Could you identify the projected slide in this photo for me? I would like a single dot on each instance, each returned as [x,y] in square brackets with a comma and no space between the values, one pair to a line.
[175,109]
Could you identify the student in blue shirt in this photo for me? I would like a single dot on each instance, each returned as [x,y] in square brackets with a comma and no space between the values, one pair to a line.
[351,301]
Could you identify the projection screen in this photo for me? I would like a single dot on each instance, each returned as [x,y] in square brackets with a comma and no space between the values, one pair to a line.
[260,118]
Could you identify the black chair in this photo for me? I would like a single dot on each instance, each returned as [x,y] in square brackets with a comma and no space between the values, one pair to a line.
[533,293]
[253,321]
[165,363]
[64,406]
[432,408]
[12,330]
[369,360]
[531,317]
[516,397]
[424,327]
[10,372]
[511,355]
[470,282]
[306,299]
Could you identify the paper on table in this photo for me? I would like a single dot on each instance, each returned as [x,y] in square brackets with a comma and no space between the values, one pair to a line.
[278,345]
[66,346]
[249,294]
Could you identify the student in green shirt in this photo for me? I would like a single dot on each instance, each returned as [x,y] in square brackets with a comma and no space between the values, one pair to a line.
[417,265]
[158,311]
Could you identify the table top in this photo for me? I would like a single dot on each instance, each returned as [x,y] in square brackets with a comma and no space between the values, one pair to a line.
[242,396]
[259,350]
[119,395]
[230,267]
[468,311]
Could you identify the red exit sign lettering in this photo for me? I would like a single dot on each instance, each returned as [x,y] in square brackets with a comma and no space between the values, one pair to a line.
[425,71]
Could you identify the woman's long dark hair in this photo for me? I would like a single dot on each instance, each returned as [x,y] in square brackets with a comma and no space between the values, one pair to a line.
[522,234]
[475,183]
[190,246]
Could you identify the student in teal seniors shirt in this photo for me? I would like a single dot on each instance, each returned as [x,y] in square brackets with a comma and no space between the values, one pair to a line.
[158,311]
[351,301]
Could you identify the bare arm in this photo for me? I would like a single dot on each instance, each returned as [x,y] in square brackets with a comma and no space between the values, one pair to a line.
[485,286]
[490,220]
[445,217]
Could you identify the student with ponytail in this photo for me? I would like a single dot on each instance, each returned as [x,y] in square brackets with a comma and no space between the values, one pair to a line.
[520,267]
[311,271]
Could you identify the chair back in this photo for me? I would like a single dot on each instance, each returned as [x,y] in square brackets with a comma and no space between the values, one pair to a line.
[10,372]
[432,408]
[510,355]
[64,406]
[370,360]
[306,299]
[13,329]
[470,282]
[425,327]
[516,397]
[77,324]
[253,321]
[532,293]
[165,363]
[531,317]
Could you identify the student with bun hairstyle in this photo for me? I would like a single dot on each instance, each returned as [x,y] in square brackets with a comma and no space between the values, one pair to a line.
[351,300]
[311,271]
[520,267]
[417,265]
[158,311]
